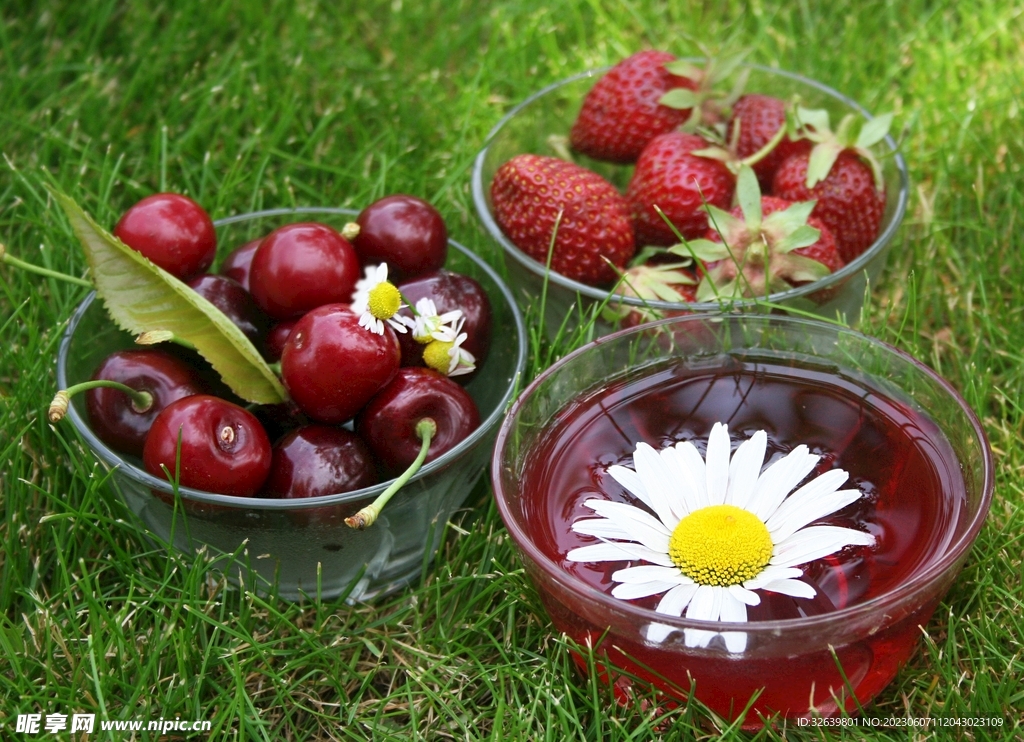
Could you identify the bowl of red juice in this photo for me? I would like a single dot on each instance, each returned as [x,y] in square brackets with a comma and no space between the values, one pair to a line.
[914,454]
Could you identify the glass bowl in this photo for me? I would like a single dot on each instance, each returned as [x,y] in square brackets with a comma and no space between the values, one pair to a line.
[528,127]
[303,546]
[908,440]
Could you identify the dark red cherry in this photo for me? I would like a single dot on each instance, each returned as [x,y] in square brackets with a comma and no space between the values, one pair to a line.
[238,262]
[449,291]
[276,337]
[280,419]
[332,366]
[224,449]
[302,266]
[234,301]
[405,232]
[319,460]
[118,422]
[171,230]
[388,423]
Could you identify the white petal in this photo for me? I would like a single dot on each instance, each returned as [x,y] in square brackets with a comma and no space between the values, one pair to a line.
[672,604]
[632,591]
[601,528]
[649,572]
[779,479]
[742,594]
[686,500]
[641,526]
[657,479]
[693,473]
[815,542]
[632,482]
[795,588]
[770,574]
[789,519]
[617,552]
[733,611]
[745,469]
[397,324]
[718,464]
[679,501]
[706,604]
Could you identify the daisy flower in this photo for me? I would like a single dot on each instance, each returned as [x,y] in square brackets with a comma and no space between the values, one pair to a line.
[377,300]
[428,325]
[448,356]
[721,532]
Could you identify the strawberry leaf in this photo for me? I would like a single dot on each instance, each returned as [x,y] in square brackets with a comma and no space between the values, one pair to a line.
[822,158]
[704,250]
[802,236]
[816,118]
[874,131]
[748,194]
[801,269]
[680,98]
[141,297]
[781,223]
[684,69]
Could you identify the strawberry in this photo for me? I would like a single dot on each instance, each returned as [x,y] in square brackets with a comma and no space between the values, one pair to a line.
[762,246]
[528,194]
[754,122]
[621,113]
[842,174]
[653,281]
[669,176]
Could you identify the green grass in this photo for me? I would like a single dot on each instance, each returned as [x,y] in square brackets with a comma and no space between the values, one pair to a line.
[247,105]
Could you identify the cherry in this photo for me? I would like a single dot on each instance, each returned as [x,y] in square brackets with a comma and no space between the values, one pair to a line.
[319,460]
[171,230]
[224,449]
[119,421]
[403,231]
[332,366]
[280,419]
[388,423]
[449,291]
[238,262]
[276,337]
[302,266]
[234,301]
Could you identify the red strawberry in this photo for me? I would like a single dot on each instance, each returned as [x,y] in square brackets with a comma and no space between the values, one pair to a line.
[762,246]
[657,281]
[755,120]
[668,175]
[527,194]
[621,113]
[849,203]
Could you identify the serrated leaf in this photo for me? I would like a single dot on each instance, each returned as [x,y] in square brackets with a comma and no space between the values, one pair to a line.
[803,236]
[141,297]
[680,98]
[782,223]
[874,131]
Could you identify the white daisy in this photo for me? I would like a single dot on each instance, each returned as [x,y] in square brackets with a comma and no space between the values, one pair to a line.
[428,325]
[448,356]
[721,531]
[377,300]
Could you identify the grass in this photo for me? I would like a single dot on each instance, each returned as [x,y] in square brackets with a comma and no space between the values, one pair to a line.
[248,105]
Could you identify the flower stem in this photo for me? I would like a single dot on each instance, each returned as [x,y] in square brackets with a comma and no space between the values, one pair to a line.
[6,257]
[425,430]
[141,400]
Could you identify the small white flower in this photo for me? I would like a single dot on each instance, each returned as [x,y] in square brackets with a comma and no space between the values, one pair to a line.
[445,353]
[722,530]
[377,300]
[428,325]
[462,361]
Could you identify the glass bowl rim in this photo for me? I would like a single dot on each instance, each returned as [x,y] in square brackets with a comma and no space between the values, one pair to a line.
[117,460]
[904,593]
[537,268]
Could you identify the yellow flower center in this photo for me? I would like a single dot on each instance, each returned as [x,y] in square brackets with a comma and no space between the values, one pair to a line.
[720,545]
[436,355]
[384,300]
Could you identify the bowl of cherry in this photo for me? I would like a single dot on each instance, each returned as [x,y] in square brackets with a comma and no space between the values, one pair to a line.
[380,328]
[663,186]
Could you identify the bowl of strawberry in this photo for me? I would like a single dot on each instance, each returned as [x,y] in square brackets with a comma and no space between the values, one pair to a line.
[306,394]
[663,186]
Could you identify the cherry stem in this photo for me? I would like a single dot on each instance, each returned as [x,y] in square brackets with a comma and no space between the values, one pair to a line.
[426,429]
[141,400]
[6,257]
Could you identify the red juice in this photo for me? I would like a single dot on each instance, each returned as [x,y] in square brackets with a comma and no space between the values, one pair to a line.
[913,495]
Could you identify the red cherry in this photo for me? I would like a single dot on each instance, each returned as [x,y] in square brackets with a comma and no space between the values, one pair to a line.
[405,232]
[332,366]
[388,424]
[114,418]
[238,262]
[302,266]
[234,301]
[171,230]
[449,291]
[276,337]
[319,460]
[224,449]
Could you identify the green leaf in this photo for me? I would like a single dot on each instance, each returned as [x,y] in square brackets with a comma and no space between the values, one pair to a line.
[680,98]
[803,236]
[874,131]
[781,224]
[800,268]
[141,297]
[822,158]
[704,250]
[685,69]
[748,194]
[816,118]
